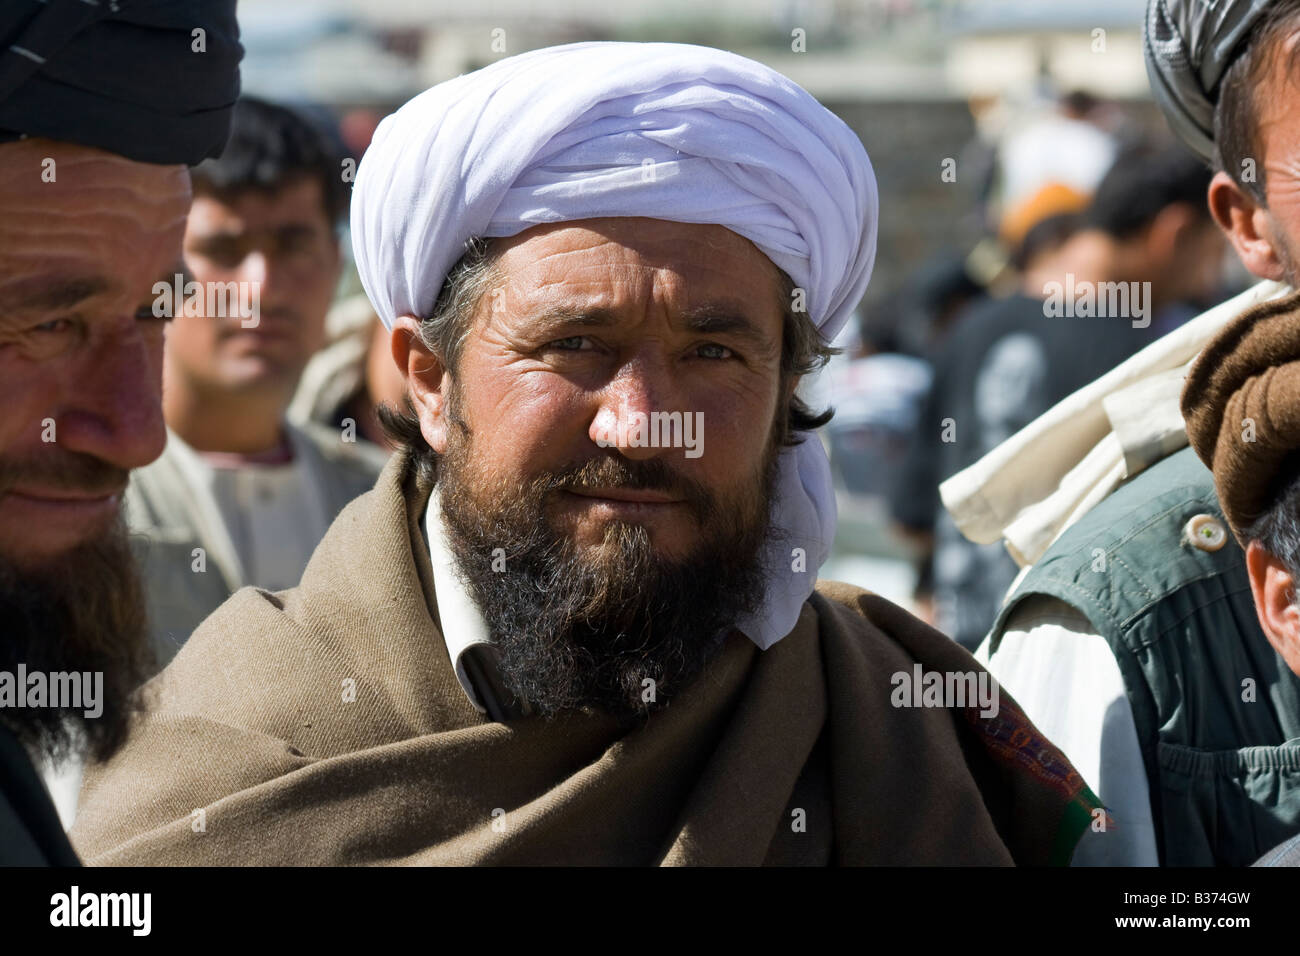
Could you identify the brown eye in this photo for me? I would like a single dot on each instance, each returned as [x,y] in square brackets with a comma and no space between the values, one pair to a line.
[225,253]
[49,339]
[146,314]
[52,327]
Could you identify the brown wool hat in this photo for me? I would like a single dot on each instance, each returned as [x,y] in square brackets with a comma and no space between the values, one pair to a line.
[1241,403]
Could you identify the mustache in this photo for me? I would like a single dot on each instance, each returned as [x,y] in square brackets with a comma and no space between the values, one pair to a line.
[63,471]
[651,474]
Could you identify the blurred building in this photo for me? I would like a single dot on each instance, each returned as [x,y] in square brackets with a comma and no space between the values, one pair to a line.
[907,75]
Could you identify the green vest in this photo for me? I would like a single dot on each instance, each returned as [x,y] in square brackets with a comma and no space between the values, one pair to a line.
[1216,708]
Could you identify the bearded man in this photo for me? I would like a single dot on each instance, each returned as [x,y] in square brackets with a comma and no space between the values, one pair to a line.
[93,198]
[575,621]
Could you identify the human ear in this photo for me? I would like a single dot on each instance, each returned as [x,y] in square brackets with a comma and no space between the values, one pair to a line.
[1247,225]
[427,380]
[1273,589]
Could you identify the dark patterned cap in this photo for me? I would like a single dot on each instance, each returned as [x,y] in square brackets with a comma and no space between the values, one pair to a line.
[151,80]
[1189,45]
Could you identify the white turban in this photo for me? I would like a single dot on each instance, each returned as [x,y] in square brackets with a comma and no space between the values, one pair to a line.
[565,133]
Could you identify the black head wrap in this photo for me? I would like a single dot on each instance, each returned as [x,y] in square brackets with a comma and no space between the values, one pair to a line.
[133,77]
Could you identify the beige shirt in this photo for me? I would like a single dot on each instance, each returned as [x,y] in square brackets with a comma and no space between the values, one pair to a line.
[203,532]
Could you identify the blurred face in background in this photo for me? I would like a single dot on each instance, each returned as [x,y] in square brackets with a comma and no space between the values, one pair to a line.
[1189,263]
[283,245]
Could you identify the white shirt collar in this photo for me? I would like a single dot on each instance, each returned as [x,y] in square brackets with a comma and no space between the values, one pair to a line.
[462,622]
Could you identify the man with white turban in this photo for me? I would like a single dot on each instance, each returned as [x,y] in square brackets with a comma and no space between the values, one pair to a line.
[576,621]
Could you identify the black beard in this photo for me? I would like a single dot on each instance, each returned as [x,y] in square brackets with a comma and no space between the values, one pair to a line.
[586,631]
[83,611]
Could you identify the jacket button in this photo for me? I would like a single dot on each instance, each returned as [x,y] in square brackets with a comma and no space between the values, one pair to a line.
[1206,532]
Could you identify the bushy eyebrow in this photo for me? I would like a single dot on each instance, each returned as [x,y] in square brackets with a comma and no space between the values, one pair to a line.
[709,319]
[714,320]
[61,293]
[46,293]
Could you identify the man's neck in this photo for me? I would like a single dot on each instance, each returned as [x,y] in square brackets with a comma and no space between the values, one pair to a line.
[232,423]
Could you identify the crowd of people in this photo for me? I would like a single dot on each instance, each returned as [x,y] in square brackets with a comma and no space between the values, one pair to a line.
[442,574]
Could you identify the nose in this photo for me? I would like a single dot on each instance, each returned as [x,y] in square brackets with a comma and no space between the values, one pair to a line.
[274,281]
[114,410]
[624,419]
[256,267]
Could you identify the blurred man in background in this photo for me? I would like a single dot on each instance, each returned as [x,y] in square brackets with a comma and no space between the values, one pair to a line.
[240,496]
[93,197]
[1009,360]
[1132,636]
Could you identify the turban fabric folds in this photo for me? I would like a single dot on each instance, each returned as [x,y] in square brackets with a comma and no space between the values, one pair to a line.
[657,130]
[1188,46]
[121,75]
[1241,403]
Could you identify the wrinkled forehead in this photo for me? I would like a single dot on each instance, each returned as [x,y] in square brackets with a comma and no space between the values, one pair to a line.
[83,206]
[1276,95]
[625,259]
[70,169]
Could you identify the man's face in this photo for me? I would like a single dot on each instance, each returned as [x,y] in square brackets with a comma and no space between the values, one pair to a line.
[1279,137]
[84,236]
[637,555]
[592,324]
[279,246]
[80,348]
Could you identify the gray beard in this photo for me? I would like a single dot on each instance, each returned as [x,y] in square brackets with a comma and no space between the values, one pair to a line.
[624,631]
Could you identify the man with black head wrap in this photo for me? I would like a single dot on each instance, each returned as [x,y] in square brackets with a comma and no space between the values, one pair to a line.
[101,108]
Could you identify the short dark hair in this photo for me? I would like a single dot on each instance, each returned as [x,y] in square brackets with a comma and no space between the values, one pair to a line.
[445,331]
[1142,181]
[1236,108]
[1047,235]
[271,146]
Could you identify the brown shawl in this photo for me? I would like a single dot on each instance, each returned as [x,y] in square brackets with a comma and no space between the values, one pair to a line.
[251,755]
